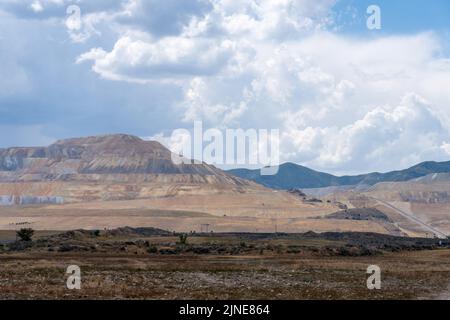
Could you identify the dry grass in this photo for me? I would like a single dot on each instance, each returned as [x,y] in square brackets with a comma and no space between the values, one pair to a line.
[136,213]
[137,275]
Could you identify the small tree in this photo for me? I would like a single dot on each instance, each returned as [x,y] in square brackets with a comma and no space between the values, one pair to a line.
[96,233]
[183,238]
[25,234]
[152,249]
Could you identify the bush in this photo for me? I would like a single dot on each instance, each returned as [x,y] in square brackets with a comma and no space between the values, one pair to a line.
[20,245]
[152,249]
[25,234]
[202,250]
[96,233]
[183,238]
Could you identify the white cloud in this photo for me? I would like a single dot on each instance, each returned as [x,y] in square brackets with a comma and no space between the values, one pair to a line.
[82,18]
[446,147]
[205,41]
[136,57]
[350,111]
[271,64]
[279,19]
[341,103]
[36,6]
[407,133]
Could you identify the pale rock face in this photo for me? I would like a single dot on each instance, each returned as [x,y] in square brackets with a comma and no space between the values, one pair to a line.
[430,189]
[6,200]
[29,200]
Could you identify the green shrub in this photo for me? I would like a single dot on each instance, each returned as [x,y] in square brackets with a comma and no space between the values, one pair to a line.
[183,238]
[152,249]
[96,233]
[25,234]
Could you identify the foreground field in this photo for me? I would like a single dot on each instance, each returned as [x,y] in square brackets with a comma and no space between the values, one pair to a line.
[123,265]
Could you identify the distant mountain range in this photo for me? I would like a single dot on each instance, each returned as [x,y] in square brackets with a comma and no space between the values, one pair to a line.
[120,158]
[293,176]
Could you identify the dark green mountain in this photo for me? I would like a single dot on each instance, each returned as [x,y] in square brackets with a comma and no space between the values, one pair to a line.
[293,176]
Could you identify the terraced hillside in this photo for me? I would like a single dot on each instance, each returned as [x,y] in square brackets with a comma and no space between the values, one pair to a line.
[119,180]
[113,167]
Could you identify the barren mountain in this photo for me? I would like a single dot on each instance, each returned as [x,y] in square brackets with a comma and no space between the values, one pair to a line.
[94,158]
[107,167]
[120,180]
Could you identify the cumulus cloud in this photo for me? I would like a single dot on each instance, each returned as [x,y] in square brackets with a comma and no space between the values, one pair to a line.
[277,19]
[272,64]
[45,9]
[82,19]
[160,19]
[348,112]
[446,147]
[199,35]
[342,103]
[406,133]
[36,6]
[135,57]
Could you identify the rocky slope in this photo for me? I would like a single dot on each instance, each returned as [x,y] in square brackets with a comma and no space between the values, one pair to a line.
[433,188]
[111,167]
[112,154]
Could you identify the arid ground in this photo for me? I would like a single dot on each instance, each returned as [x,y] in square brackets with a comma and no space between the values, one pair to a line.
[152,264]
[251,212]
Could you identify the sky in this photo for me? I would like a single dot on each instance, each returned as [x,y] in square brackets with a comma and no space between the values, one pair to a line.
[346,99]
